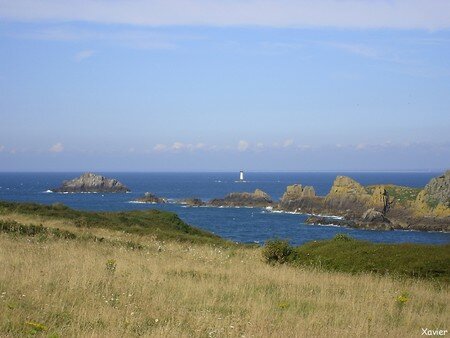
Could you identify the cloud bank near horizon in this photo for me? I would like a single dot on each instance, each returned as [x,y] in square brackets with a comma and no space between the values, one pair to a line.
[375,14]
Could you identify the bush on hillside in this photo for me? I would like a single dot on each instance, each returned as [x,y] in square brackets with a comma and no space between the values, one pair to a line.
[343,238]
[277,251]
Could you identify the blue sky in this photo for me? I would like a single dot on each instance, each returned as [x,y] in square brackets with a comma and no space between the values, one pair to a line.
[185,85]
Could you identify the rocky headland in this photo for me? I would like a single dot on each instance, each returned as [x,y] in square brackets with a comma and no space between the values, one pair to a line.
[91,183]
[375,206]
[258,198]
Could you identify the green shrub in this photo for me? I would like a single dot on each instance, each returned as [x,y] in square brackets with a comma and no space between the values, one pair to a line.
[111,265]
[343,238]
[277,251]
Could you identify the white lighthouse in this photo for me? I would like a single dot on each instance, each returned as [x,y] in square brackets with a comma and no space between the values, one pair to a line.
[241,176]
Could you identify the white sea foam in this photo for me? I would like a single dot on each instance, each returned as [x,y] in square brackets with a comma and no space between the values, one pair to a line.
[47,192]
[271,211]
[327,216]
[140,202]
[328,225]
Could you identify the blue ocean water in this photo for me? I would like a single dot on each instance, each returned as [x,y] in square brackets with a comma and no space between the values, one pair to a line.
[248,225]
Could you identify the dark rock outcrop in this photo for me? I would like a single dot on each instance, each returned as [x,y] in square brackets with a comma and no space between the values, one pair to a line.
[243,199]
[150,198]
[90,182]
[357,224]
[323,220]
[372,215]
[193,202]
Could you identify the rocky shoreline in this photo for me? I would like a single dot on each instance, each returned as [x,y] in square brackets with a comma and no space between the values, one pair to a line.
[379,207]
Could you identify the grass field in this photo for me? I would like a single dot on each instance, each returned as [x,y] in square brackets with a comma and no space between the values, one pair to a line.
[89,281]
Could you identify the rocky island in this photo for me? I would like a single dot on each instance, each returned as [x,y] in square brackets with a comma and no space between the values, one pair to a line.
[258,198]
[192,202]
[91,183]
[150,198]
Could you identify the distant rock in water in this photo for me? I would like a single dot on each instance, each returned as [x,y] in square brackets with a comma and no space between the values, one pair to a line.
[324,220]
[192,202]
[244,199]
[372,220]
[90,182]
[150,198]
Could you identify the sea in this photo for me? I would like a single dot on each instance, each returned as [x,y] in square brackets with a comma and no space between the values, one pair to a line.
[245,225]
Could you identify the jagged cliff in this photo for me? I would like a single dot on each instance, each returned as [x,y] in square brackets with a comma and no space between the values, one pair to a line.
[376,206]
[347,194]
[297,197]
[434,199]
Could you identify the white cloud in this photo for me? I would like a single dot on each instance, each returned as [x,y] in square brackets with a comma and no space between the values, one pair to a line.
[83,55]
[2,147]
[200,146]
[304,147]
[57,148]
[400,14]
[288,143]
[178,146]
[243,145]
[160,147]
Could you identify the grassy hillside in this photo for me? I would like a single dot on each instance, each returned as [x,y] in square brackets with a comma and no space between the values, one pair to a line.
[162,224]
[345,254]
[53,286]
[63,280]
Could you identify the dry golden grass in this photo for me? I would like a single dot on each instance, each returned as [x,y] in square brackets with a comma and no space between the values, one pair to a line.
[81,288]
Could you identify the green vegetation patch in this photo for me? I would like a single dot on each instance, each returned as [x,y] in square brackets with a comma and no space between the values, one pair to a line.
[44,233]
[399,193]
[345,254]
[14,227]
[162,224]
